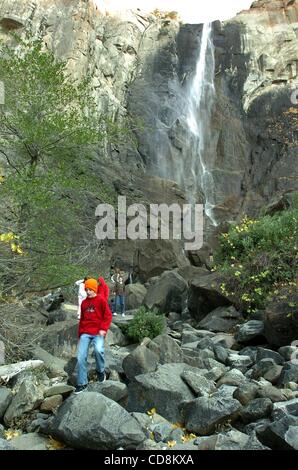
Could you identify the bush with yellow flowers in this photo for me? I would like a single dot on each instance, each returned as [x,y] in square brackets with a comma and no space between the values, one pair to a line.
[256,257]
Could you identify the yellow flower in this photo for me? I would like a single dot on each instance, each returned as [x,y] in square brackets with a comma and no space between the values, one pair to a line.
[171,443]
[55,445]
[11,433]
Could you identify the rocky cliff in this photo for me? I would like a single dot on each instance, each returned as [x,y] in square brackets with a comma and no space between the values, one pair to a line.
[142,67]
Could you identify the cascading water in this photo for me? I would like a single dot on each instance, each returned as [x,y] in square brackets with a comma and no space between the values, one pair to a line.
[183,145]
[200,99]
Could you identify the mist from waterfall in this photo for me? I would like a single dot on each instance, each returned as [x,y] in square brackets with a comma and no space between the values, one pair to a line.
[183,143]
[200,100]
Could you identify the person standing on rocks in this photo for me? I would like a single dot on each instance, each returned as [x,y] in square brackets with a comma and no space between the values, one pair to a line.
[119,291]
[94,323]
[81,294]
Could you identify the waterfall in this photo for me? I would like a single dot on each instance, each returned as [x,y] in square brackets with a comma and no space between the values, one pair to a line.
[200,99]
[182,143]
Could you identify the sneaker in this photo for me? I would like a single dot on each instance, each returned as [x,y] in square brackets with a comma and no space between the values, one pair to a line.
[80,388]
[115,314]
[123,314]
[101,376]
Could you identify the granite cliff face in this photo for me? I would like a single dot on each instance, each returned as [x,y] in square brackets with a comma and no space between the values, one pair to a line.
[142,66]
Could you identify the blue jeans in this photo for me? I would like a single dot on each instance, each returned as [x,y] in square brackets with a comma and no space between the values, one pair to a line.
[82,355]
[119,299]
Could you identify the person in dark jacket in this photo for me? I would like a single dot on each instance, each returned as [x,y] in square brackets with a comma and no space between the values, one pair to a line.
[119,291]
[94,323]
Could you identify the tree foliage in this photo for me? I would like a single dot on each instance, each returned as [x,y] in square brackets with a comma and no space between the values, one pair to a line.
[50,135]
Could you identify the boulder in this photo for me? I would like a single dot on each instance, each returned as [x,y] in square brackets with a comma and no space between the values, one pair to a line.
[289,373]
[281,329]
[134,296]
[115,336]
[28,397]
[59,389]
[140,361]
[251,332]
[288,352]
[6,445]
[7,372]
[55,365]
[116,391]
[273,393]
[52,301]
[30,441]
[280,410]
[205,295]
[61,339]
[167,294]
[204,414]
[5,399]
[163,390]
[281,434]
[222,319]
[51,403]
[256,409]
[198,383]
[112,426]
[263,353]
[233,377]
[246,393]
[166,349]
[232,440]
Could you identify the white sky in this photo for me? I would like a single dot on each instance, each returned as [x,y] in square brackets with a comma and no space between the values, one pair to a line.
[191,11]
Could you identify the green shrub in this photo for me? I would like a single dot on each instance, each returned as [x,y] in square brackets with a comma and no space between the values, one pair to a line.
[146,324]
[259,258]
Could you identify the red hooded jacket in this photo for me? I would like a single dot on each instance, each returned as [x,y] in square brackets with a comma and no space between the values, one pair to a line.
[95,316]
[103,288]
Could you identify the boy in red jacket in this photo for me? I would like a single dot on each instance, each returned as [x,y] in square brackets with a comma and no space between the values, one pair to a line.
[94,323]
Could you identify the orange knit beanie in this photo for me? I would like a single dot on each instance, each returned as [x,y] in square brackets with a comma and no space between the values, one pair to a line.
[91,284]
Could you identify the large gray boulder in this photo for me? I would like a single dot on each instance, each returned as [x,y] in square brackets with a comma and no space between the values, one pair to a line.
[52,301]
[281,434]
[55,365]
[222,319]
[140,361]
[61,339]
[166,349]
[92,421]
[232,440]
[163,390]
[251,332]
[205,295]
[28,397]
[198,383]
[168,293]
[30,441]
[281,329]
[115,336]
[5,399]
[134,296]
[204,414]
[115,390]
[6,445]
[257,409]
